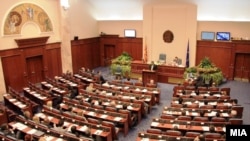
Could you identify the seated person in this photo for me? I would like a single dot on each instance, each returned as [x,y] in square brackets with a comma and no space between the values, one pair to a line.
[27,115]
[90,88]
[201,137]
[233,113]
[199,81]
[73,92]
[152,66]
[60,126]
[139,82]
[7,130]
[102,80]
[36,119]
[151,84]
[28,137]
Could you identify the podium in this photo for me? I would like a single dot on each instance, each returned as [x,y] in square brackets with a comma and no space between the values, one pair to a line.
[147,75]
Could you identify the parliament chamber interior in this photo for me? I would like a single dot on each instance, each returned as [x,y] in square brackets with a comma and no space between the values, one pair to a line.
[49,95]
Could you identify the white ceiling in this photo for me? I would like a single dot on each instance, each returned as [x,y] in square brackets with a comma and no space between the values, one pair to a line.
[207,10]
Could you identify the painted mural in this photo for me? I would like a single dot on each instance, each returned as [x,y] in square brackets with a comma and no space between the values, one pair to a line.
[24,13]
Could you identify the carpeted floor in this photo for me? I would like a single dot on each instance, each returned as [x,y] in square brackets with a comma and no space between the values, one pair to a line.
[239,90]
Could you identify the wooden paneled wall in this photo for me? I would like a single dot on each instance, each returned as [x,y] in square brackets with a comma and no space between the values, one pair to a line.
[85,53]
[99,51]
[223,54]
[30,63]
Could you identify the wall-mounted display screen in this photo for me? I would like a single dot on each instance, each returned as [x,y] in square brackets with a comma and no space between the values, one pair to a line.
[129,33]
[223,36]
[205,35]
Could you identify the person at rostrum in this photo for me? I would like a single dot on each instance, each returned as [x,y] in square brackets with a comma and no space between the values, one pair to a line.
[152,66]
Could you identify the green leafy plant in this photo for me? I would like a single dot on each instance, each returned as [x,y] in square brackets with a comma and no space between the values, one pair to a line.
[123,61]
[208,70]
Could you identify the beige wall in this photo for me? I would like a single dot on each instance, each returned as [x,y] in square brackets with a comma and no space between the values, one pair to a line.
[76,21]
[237,29]
[28,30]
[180,19]
[117,27]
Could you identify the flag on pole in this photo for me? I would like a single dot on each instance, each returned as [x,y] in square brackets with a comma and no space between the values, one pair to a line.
[187,55]
[145,54]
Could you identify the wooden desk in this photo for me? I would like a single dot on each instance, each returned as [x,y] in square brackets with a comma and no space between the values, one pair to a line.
[165,73]
[148,75]
[187,125]
[94,129]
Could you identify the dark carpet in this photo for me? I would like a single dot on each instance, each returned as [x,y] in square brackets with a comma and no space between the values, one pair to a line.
[239,90]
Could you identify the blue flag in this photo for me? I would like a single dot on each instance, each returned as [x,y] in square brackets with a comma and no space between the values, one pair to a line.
[187,55]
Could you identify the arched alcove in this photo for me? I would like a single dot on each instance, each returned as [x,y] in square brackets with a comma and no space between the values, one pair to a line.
[25,16]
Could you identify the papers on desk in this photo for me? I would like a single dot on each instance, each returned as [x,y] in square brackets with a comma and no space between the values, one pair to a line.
[188,103]
[155,92]
[227,104]
[21,105]
[154,123]
[104,116]
[118,87]
[126,97]
[62,91]
[132,97]
[105,84]
[193,94]
[137,89]
[201,103]
[32,131]
[49,138]
[50,118]
[118,106]
[205,128]
[91,113]
[176,102]
[20,126]
[212,103]
[36,94]
[109,94]
[224,129]
[145,139]
[129,107]
[41,115]
[177,125]
[98,132]
[59,139]
[117,118]
[126,87]
[225,114]
[83,128]
[194,114]
[26,88]
[105,103]
[12,99]
[66,124]
[217,95]
[144,90]
[5,95]
[213,113]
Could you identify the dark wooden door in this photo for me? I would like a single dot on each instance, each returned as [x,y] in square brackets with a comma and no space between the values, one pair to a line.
[242,67]
[109,54]
[35,69]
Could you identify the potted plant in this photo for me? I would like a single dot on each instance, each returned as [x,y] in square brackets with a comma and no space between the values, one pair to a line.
[210,73]
[123,61]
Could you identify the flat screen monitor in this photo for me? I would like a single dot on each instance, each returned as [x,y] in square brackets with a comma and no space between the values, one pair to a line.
[129,33]
[223,36]
[205,35]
